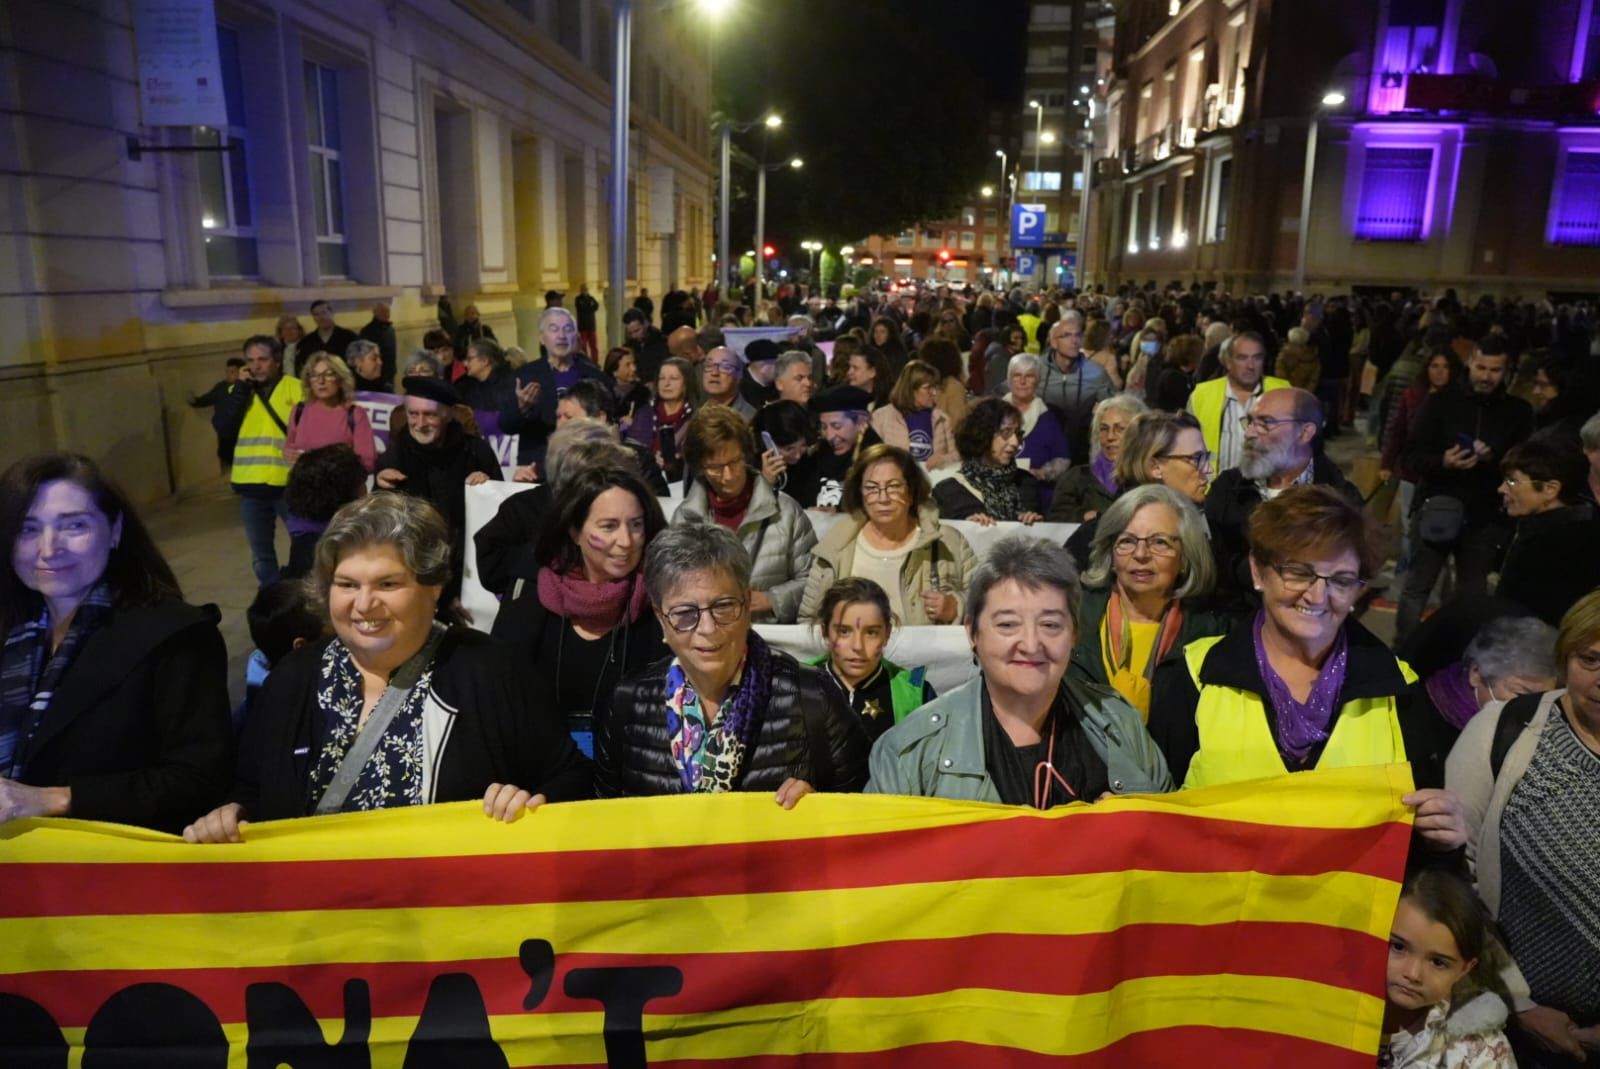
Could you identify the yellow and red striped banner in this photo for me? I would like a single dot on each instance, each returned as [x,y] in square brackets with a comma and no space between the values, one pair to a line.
[1238,926]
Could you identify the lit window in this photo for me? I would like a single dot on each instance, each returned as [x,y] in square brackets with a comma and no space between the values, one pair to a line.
[227,216]
[905,239]
[1035,181]
[1394,194]
[1575,209]
[327,165]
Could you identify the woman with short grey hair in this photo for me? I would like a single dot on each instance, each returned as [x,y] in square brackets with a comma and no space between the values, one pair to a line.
[1150,568]
[726,711]
[1085,491]
[368,718]
[1589,438]
[1510,655]
[1045,453]
[1022,731]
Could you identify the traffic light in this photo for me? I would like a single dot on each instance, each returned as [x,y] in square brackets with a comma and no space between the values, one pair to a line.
[768,251]
[944,256]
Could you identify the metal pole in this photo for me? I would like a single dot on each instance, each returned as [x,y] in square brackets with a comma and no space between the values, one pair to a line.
[724,271]
[1305,203]
[616,275]
[761,235]
[1038,134]
[1083,213]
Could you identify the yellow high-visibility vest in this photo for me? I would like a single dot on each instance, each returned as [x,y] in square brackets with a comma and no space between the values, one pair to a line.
[1210,399]
[258,456]
[1236,743]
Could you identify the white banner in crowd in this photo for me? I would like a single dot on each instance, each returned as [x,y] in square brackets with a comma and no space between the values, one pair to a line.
[943,649]
[738,337]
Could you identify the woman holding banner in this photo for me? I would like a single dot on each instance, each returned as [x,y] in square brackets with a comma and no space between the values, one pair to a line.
[1022,732]
[395,709]
[726,712]
[329,415]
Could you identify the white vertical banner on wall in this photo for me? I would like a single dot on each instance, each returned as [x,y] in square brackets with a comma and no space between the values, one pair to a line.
[663,200]
[180,76]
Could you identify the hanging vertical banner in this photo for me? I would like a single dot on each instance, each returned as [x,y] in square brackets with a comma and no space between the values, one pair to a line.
[180,76]
[1243,926]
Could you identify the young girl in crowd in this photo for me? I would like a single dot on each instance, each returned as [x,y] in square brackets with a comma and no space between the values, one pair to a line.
[1445,1009]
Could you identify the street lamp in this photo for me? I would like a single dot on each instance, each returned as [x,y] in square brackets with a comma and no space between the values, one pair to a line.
[794,162]
[813,247]
[1038,132]
[771,121]
[1331,99]
[987,191]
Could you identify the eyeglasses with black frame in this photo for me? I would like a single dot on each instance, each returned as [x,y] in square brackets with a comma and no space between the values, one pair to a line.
[724,611]
[1268,424]
[1298,578]
[1197,460]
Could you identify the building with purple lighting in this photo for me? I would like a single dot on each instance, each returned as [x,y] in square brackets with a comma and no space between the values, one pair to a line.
[1451,143]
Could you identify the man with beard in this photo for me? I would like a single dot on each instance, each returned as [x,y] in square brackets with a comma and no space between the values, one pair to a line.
[1276,453]
[434,457]
[649,345]
[846,429]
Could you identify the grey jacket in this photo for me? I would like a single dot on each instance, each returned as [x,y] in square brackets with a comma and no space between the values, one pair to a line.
[779,538]
[937,751]
[835,556]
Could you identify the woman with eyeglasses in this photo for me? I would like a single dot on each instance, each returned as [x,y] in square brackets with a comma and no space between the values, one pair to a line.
[891,534]
[989,487]
[1552,561]
[1149,573]
[1299,685]
[1023,731]
[1086,490]
[727,490]
[1158,447]
[1528,774]
[726,711]
[329,415]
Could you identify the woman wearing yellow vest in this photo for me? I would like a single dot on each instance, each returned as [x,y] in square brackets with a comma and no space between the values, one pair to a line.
[1299,685]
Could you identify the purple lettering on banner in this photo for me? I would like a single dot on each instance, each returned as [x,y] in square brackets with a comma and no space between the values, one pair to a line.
[380,408]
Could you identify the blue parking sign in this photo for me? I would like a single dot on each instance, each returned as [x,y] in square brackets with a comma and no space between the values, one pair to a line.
[1027,226]
[1026,265]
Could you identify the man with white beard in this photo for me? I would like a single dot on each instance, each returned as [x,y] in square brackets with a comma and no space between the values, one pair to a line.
[1278,452]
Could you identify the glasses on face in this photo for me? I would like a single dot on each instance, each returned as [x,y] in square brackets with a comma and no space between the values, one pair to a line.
[728,368]
[321,376]
[1198,461]
[888,491]
[724,611]
[1159,545]
[1267,424]
[1297,579]
[724,466]
[1511,482]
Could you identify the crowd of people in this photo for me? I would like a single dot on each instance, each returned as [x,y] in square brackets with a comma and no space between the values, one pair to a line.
[1202,625]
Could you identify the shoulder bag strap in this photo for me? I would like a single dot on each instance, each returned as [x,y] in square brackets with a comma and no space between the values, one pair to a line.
[383,714]
[266,403]
[1515,716]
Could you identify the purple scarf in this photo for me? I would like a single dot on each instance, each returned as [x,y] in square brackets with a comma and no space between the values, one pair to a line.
[1100,467]
[1450,688]
[1303,725]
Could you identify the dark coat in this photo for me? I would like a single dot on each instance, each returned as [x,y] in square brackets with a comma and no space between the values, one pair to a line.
[381,334]
[649,353]
[1088,661]
[312,343]
[505,544]
[1552,562]
[139,728]
[523,620]
[633,753]
[503,731]
[491,394]
[1078,492]
[439,472]
[535,425]
[1228,507]
[1499,420]
[956,502]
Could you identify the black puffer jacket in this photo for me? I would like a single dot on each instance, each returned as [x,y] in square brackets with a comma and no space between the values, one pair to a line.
[634,757]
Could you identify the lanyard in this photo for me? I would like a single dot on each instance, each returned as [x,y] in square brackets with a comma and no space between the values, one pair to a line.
[1045,771]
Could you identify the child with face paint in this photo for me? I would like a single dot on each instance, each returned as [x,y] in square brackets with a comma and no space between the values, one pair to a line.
[1445,1005]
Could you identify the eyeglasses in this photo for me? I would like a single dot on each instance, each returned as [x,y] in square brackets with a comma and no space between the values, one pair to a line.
[1297,579]
[1010,432]
[1267,424]
[1511,482]
[888,491]
[1159,545]
[1199,460]
[725,368]
[727,465]
[321,376]
[724,611]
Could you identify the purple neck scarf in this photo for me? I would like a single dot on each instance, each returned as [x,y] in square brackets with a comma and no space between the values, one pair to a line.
[1303,725]
[1100,468]
[1451,690]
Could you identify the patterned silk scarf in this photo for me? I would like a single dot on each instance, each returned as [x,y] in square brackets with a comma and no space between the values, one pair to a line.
[1116,634]
[30,673]
[710,756]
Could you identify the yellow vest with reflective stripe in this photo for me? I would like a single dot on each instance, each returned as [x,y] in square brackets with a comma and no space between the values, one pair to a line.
[1236,743]
[1210,399]
[258,457]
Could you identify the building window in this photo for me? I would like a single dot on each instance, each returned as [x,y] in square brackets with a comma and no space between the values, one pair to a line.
[1035,181]
[969,240]
[327,165]
[1394,194]
[931,236]
[905,239]
[1219,195]
[1136,201]
[991,217]
[1158,215]
[1077,181]
[991,242]
[969,216]
[1052,13]
[1410,45]
[600,45]
[569,25]
[227,216]
[1091,56]
[1575,209]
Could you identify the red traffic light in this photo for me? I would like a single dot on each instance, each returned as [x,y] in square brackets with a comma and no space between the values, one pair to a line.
[768,251]
[944,256]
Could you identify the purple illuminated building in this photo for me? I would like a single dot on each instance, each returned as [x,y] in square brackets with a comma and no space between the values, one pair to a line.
[1456,143]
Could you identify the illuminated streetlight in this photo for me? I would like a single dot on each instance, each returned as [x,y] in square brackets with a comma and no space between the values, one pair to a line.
[1333,98]
[1048,137]
[774,121]
[797,163]
[987,191]
[727,126]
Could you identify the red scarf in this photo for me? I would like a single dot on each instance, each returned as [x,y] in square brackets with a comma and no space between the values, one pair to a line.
[729,512]
[595,607]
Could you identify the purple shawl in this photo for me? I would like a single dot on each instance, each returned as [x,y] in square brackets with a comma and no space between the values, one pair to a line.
[1303,725]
